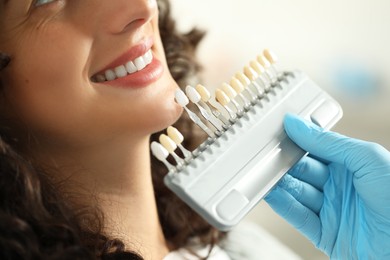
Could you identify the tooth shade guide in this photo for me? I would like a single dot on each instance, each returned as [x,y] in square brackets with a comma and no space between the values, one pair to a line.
[236,91]
[203,92]
[159,151]
[263,61]
[229,174]
[221,97]
[239,89]
[175,135]
[206,103]
[243,79]
[255,74]
[273,59]
[246,92]
[193,95]
[183,101]
[262,78]
[250,73]
[170,146]
[270,56]
[224,100]
[178,138]
[236,85]
[162,154]
[168,143]
[195,98]
[232,94]
[257,67]
[181,98]
[270,71]
[229,91]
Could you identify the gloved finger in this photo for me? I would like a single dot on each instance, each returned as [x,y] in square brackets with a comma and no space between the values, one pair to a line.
[299,216]
[303,192]
[311,171]
[325,144]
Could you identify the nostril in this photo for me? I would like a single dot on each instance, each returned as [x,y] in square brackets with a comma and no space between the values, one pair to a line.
[128,15]
[4,60]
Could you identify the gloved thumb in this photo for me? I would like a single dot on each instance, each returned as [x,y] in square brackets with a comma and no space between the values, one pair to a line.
[330,146]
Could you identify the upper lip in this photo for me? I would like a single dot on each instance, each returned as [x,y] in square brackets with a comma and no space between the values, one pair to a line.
[130,55]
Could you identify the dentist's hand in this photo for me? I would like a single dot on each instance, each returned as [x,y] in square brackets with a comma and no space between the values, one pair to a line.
[338,196]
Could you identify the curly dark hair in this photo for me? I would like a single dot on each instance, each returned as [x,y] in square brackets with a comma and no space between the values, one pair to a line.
[38,222]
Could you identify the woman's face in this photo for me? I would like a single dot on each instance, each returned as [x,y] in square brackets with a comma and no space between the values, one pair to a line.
[85,71]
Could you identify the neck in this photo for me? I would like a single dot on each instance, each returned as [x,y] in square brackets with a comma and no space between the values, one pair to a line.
[118,177]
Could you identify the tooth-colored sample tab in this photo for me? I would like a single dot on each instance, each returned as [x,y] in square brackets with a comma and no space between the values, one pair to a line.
[204,93]
[243,79]
[221,97]
[263,61]
[181,98]
[236,85]
[178,138]
[270,56]
[229,91]
[175,135]
[256,66]
[168,143]
[192,94]
[159,151]
[250,73]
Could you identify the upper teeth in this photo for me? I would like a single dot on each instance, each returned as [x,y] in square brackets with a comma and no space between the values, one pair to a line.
[125,69]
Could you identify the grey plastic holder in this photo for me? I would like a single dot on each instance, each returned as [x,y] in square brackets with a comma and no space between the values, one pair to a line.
[232,173]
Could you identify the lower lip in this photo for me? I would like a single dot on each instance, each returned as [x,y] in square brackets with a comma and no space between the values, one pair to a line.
[140,79]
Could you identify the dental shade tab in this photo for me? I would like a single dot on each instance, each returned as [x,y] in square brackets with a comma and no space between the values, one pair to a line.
[248,151]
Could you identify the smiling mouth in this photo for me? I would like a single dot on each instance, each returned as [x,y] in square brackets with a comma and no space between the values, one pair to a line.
[130,67]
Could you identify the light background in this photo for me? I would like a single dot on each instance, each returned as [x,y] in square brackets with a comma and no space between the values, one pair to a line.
[342,44]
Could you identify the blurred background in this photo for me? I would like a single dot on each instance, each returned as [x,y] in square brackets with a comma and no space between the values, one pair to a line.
[342,45]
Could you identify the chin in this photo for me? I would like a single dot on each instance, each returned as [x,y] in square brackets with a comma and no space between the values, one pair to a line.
[160,115]
[166,120]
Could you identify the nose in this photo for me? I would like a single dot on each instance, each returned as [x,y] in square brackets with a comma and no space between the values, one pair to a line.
[122,15]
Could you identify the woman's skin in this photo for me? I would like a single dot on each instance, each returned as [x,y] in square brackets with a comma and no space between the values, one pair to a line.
[94,135]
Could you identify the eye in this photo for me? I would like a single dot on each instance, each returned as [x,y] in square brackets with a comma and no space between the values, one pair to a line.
[43,2]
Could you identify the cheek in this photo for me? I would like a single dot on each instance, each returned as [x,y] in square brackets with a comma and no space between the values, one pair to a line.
[45,82]
[60,104]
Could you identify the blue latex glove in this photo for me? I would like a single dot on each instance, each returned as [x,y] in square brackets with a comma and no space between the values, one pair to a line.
[341,199]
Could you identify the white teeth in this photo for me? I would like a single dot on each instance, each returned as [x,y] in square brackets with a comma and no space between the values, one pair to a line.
[100,78]
[122,71]
[140,63]
[148,57]
[130,67]
[110,75]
